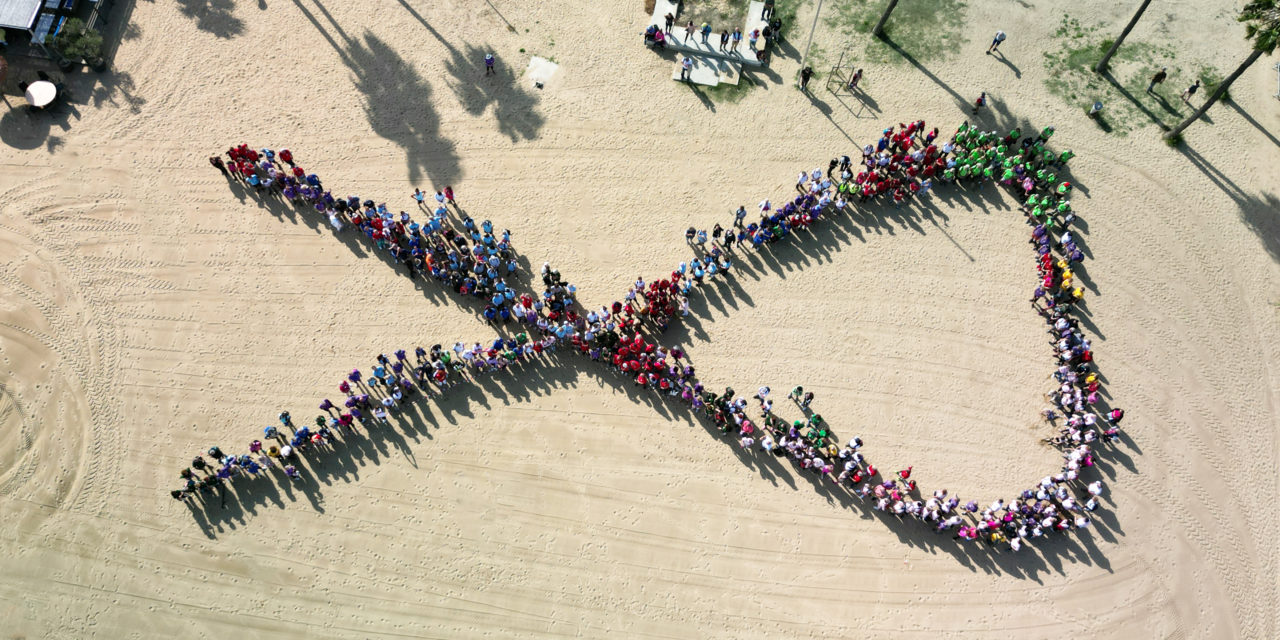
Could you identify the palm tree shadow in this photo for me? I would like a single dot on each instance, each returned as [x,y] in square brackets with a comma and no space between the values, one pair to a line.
[513,107]
[397,104]
[1260,213]
[1248,118]
[213,16]
[397,100]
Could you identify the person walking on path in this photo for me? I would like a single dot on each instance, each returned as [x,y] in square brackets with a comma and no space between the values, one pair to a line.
[1191,91]
[688,31]
[995,42]
[724,39]
[767,11]
[670,20]
[686,69]
[1158,78]
[805,74]
[706,32]
[980,102]
[488,64]
[736,39]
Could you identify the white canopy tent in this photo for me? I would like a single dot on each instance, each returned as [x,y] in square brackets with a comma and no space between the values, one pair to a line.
[18,14]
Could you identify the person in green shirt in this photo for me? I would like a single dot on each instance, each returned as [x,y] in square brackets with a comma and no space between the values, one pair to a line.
[1065,156]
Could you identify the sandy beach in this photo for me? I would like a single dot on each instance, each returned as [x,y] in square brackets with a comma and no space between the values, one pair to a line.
[148,310]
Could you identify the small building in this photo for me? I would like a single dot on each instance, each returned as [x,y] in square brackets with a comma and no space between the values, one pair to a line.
[31,25]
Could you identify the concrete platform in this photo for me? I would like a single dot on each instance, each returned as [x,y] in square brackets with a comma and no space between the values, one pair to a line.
[694,46]
[753,23]
[704,71]
[661,8]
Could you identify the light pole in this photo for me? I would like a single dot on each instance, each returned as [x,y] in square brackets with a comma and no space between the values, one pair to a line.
[817,11]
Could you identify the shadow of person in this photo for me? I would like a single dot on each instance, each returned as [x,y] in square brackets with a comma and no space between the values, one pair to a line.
[1137,103]
[999,56]
[702,96]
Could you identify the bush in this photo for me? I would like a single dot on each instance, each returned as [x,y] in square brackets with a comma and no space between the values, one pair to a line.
[76,42]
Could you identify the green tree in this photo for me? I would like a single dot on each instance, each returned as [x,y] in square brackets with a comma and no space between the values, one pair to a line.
[77,42]
[1115,46]
[1262,27]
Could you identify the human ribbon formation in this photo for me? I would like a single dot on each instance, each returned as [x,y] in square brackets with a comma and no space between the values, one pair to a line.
[474,261]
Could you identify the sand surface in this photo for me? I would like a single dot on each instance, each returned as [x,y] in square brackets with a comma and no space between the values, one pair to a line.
[148,311]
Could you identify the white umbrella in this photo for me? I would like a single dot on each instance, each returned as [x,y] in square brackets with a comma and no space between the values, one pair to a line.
[41,93]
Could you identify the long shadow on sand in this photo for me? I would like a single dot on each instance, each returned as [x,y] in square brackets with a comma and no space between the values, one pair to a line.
[514,107]
[397,100]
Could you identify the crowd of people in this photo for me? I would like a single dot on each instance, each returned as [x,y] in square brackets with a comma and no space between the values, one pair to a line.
[472,259]
[624,336]
[760,42]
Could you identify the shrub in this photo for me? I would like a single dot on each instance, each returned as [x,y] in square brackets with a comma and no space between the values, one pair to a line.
[76,42]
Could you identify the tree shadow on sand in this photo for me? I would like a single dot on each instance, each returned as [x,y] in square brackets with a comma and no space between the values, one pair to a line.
[213,16]
[1260,213]
[397,100]
[514,107]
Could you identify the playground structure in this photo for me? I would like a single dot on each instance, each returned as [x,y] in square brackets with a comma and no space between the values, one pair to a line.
[838,79]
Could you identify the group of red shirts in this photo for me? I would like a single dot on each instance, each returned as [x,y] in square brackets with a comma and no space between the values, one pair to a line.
[244,161]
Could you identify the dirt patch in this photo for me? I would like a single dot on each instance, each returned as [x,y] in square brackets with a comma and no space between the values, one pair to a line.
[720,14]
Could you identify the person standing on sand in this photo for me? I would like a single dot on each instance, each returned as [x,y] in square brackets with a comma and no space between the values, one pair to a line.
[980,102]
[1191,91]
[805,74]
[995,42]
[448,195]
[1158,78]
[855,79]
[217,163]
[488,64]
